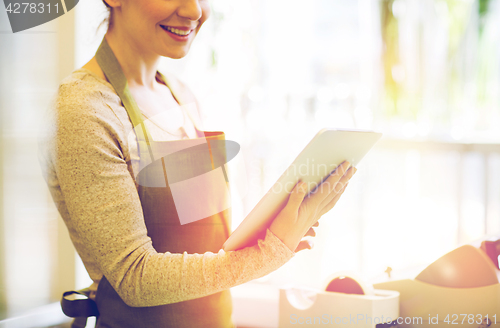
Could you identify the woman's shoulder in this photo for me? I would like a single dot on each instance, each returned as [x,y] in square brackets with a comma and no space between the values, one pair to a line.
[84,99]
[84,85]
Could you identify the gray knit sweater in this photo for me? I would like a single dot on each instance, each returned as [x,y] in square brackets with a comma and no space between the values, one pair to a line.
[88,160]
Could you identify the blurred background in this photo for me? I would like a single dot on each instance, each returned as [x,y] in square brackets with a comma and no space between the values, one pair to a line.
[270,74]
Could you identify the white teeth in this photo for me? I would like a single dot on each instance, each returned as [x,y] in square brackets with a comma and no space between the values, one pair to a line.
[177,31]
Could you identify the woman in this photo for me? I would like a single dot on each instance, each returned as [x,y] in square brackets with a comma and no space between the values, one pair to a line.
[148,269]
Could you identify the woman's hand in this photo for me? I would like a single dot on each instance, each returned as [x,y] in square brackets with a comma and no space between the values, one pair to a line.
[307,243]
[301,212]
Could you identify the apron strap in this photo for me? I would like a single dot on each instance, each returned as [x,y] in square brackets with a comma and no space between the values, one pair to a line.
[76,308]
[114,73]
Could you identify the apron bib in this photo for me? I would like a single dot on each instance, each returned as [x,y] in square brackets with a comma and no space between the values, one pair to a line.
[162,219]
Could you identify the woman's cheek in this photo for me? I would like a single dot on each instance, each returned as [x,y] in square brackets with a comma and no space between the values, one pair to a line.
[205,8]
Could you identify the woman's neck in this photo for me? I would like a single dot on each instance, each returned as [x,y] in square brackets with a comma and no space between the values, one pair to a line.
[139,67]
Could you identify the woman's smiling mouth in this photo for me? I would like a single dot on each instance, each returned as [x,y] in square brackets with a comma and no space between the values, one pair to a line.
[178,33]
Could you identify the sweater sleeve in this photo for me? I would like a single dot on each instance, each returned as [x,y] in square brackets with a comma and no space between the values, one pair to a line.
[105,212]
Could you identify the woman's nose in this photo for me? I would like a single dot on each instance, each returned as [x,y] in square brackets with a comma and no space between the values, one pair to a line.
[190,9]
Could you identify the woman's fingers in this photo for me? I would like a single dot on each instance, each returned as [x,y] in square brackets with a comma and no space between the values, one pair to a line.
[304,244]
[300,213]
[334,201]
[296,196]
[316,224]
[340,185]
[307,243]
[310,232]
[345,179]
[326,187]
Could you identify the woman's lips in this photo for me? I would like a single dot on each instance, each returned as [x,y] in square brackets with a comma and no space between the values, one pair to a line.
[178,33]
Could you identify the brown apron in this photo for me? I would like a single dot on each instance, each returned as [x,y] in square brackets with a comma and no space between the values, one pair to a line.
[162,220]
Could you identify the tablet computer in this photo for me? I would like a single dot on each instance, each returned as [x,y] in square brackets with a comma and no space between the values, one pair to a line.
[328,149]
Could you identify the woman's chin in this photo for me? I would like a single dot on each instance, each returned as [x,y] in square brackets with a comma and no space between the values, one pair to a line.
[175,57]
[175,54]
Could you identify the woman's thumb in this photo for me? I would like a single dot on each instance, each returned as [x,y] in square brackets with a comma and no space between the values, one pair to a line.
[297,196]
